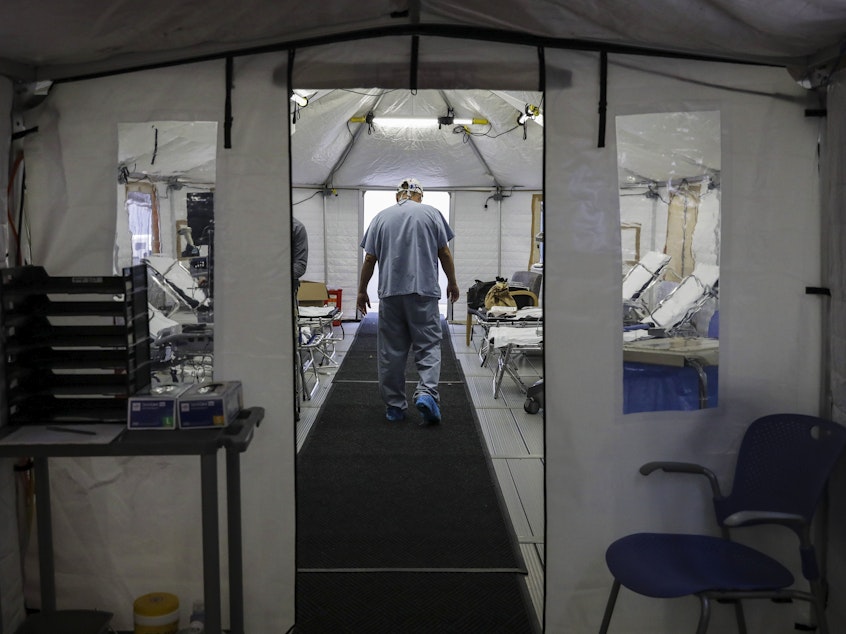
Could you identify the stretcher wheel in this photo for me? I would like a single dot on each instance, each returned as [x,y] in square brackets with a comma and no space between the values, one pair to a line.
[531,406]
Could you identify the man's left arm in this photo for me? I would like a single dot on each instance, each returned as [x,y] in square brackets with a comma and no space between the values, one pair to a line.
[445,256]
[300,255]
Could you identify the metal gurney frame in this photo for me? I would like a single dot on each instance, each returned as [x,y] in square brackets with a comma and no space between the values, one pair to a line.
[480,315]
[511,341]
[316,336]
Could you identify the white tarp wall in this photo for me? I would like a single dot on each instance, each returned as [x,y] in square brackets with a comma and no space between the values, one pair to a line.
[834,199]
[770,337]
[769,328]
[11,603]
[488,241]
[126,527]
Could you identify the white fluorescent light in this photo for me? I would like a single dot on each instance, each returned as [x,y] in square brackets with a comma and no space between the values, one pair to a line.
[416,122]
[406,122]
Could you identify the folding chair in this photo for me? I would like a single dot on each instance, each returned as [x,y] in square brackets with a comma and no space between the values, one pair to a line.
[783,464]
[530,280]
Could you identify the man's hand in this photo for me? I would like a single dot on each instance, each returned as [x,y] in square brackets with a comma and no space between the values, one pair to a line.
[362,302]
[452,292]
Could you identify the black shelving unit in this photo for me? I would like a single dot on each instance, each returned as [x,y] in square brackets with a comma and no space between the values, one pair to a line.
[74,348]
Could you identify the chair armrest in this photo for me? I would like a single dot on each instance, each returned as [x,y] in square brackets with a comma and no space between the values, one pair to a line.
[797,523]
[685,467]
[741,518]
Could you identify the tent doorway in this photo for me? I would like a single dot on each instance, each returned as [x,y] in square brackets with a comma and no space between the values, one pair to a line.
[377,200]
[490,172]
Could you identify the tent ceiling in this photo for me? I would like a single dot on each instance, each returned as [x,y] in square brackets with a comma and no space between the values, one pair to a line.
[52,40]
[329,150]
[59,39]
[182,151]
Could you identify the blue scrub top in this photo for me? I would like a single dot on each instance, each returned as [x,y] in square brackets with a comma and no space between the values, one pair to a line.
[405,239]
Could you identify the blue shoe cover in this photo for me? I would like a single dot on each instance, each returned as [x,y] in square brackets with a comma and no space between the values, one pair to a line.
[394,413]
[428,407]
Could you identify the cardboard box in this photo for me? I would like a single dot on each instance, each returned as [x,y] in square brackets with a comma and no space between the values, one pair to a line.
[312,294]
[155,407]
[213,404]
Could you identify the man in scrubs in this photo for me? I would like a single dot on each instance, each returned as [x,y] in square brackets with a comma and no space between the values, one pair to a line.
[408,240]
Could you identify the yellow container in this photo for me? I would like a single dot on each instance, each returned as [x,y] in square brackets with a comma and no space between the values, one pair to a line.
[156,613]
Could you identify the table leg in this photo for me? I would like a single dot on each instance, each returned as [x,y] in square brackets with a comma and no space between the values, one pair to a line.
[211,543]
[703,380]
[46,569]
[236,559]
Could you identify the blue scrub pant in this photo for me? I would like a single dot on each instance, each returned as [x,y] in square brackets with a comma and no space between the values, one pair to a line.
[408,322]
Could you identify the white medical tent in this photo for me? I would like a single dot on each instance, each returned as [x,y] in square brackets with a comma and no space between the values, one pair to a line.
[72,73]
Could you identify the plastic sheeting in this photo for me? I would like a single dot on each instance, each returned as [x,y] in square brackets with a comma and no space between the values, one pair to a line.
[769,327]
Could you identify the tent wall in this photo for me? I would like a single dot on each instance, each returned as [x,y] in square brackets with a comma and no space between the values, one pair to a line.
[834,223]
[770,336]
[125,550]
[11,593]
[489,241]
[769,328]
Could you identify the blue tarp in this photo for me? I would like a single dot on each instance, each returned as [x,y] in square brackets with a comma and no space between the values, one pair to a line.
[649,387]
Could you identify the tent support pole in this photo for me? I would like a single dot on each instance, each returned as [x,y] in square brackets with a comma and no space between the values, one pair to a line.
[475,149]
[603,96]
[415,56]
[541,69]
[227,116]
[424,30]
[328,184]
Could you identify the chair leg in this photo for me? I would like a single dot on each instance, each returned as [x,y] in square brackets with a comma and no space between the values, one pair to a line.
[609,607]
[740,616]
[818,603]
[704,614]
[822,622]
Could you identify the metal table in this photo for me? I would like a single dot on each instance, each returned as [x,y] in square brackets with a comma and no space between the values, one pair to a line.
[205,443]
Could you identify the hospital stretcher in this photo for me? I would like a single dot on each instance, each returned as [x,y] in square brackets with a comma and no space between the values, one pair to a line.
[665,350]
[184,292]
[506,343]
[316,339]
[675,311]
[484,316]
[638,280]
[501,316]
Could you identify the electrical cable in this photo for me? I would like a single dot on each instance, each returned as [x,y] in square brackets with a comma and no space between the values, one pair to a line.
[18,256]
[155,145]
[309,198]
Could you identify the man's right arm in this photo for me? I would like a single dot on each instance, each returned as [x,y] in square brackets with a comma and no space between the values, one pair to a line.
[363,300]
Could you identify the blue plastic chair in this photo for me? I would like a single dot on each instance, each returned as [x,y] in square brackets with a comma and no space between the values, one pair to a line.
[783,465]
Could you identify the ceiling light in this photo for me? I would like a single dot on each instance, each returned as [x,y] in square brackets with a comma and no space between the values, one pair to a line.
[530,112]
[419,122]
[299,99]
